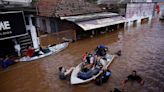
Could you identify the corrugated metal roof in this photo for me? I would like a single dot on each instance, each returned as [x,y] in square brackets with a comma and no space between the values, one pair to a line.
[98,23]
[92,16]
[88,23]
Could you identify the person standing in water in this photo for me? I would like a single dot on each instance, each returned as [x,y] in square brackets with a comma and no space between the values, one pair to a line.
[17,49]
[64,73]
[6,62]
[133,77]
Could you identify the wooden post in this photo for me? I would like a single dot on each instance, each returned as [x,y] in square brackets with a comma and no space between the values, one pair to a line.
[74,34]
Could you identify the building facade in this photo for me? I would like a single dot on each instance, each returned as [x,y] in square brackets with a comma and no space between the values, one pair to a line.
[59,19]
[11,44]
[51,25]
[135,11]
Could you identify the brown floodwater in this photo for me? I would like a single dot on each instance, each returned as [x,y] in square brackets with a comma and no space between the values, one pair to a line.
[142,50]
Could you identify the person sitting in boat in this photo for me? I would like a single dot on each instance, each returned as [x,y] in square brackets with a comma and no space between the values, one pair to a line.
[31,52]
[99,65]
[64,73]
[88,63]
[84,56]
[101,50]
[6,61]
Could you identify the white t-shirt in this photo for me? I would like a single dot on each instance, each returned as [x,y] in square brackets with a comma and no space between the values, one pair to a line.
[103,62]
[17,47]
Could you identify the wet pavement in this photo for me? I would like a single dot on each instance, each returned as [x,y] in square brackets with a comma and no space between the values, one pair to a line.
[142,50]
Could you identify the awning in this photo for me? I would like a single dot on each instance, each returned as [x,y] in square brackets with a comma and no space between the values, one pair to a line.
[100,21]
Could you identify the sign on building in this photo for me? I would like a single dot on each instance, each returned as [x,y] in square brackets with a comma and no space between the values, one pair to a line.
[12,24]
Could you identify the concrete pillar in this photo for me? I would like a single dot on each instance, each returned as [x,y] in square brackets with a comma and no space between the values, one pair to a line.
[150,19]
[74,34]
[33,33]
[34,37]
[93,32]
[30,20]
[106,29]
[129,25]
[38,22]
[138,22]
[48,26]
[118,26]
[125,25]
[56,26]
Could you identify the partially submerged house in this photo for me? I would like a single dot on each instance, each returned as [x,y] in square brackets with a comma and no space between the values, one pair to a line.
[135,11]
[72,19]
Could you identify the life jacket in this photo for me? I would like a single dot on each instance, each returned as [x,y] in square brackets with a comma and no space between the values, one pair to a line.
[88,58]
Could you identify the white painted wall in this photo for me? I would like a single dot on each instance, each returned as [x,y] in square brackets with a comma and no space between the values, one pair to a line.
[34,37]
[139,11]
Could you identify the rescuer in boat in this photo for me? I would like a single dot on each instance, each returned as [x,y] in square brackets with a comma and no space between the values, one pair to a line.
[88,62]
[101,50]
[84,56]
[99,65]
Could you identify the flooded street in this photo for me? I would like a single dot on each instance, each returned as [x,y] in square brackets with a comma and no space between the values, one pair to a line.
[142,50]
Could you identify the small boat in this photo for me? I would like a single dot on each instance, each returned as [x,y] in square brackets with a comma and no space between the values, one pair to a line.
[53,49]
[75,80]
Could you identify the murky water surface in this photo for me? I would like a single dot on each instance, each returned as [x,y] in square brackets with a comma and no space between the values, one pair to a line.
[142,50]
